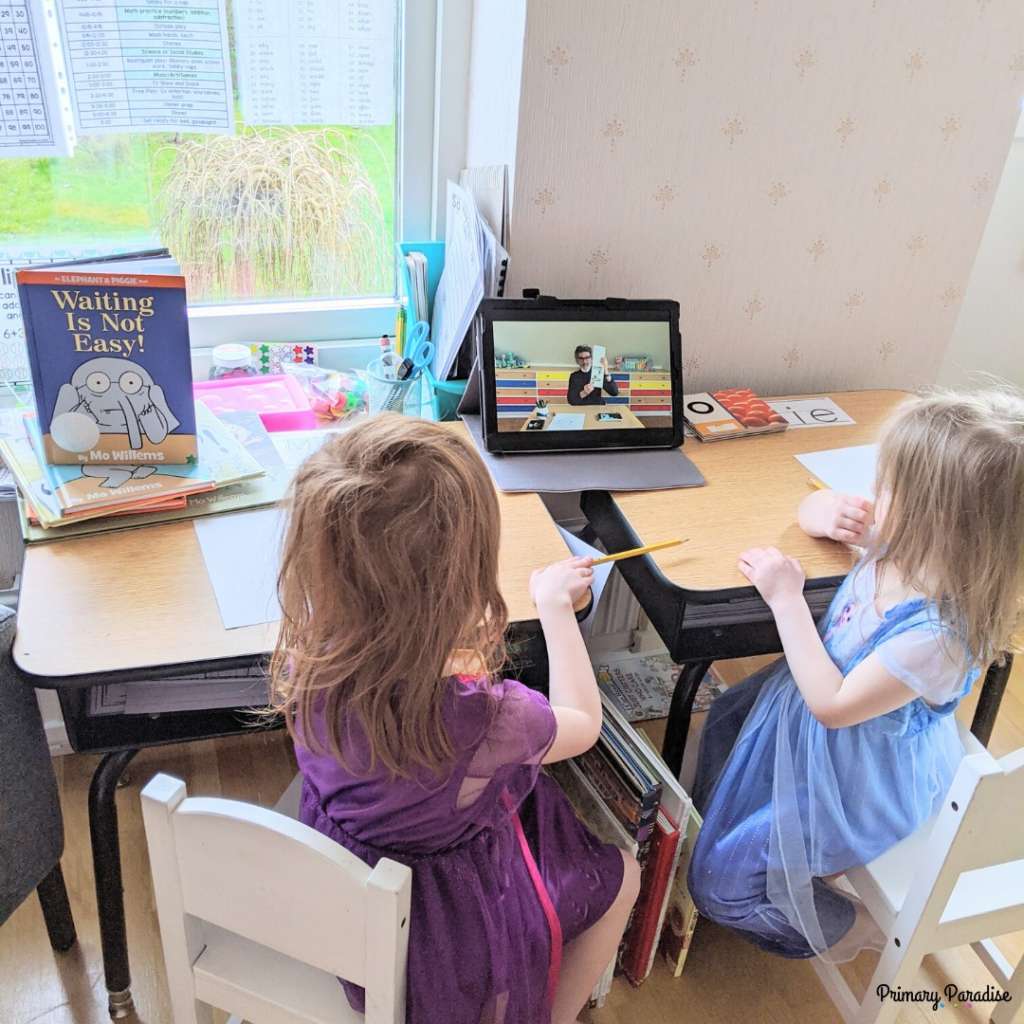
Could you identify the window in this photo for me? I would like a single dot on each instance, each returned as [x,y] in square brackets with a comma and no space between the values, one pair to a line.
[283,231]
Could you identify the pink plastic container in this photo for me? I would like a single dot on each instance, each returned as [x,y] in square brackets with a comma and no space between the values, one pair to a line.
[279,400]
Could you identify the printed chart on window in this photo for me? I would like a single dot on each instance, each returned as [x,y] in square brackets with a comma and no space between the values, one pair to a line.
[314,62]
[164,65]
[87,67]
[35,112]
[13,355]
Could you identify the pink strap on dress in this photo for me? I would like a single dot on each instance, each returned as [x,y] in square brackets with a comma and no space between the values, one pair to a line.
[554,925]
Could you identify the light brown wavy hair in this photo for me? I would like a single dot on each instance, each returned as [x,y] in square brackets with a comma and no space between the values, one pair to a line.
[953,467]
[389,567]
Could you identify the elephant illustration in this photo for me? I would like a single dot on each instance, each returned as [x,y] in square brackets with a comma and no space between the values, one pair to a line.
[120,397]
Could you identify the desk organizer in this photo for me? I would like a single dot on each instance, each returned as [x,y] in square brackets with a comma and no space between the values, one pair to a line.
[444,394]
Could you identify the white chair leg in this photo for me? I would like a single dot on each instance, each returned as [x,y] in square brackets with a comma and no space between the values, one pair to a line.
[1013,1011]
[897,969]
[288,803]
[838,991]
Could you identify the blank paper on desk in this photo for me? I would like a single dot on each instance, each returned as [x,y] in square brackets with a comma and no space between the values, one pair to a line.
[242,553]
[850,470]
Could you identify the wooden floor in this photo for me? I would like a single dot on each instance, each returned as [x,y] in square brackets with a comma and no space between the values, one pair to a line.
[725,980]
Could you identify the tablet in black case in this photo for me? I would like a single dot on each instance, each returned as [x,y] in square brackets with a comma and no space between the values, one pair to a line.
[579,375]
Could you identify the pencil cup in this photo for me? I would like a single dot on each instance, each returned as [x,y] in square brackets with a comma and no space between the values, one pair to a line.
[386,394]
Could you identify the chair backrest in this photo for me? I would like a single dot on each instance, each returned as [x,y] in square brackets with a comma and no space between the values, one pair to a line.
[977,827]
[281,884]
[985,795]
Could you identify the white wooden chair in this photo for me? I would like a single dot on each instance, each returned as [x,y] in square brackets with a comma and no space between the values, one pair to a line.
[260,915]
[958,880]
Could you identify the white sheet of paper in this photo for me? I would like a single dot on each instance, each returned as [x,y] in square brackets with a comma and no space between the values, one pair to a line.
[850,470]
[811,412]
[241,553]
[601,574]
[316,62]
[462,282]
[596,369]
[568,421]
[169,61]
[35,105]
[295,446]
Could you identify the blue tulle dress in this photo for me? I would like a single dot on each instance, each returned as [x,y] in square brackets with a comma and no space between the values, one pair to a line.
[788,802]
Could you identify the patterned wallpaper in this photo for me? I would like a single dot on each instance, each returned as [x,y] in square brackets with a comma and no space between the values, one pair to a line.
[810,179]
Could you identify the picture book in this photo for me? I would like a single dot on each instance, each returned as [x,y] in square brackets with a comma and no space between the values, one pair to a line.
[252,492]
[641,685]
[593,812]
[735,412]
[108,348]
[62,494]
[642,938]
[681,918]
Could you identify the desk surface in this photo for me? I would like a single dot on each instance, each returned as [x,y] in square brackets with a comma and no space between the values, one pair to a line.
[142,597]
[753,488]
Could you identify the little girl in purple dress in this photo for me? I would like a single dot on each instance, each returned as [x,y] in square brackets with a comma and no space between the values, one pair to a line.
[412,747]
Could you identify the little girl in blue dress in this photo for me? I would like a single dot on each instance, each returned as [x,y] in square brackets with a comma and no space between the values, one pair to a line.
[829,756]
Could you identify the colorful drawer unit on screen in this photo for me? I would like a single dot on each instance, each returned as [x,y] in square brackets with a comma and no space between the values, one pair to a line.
[646,393]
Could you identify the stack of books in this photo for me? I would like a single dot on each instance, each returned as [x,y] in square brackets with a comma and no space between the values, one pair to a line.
[54,497]
[117,438]
[626,795]
[734,412]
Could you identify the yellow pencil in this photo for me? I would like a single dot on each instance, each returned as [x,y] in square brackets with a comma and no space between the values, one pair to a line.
[816,484]
[633,552]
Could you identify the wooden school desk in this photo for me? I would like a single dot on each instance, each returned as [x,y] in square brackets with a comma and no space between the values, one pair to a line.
[138,605]
[699,603]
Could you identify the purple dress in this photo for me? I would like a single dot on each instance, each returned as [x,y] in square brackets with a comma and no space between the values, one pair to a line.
[503,873]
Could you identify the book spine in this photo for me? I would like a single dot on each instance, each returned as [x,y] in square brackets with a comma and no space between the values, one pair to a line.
[636,813]
[652,938]
[653,885]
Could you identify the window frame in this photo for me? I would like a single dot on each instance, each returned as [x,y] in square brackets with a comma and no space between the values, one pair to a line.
[352,320]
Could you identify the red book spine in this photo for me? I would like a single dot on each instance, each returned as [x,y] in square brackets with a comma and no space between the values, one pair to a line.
[642,934]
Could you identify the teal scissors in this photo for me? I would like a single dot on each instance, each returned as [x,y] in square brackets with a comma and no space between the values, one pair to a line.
[418,354]
[419,351]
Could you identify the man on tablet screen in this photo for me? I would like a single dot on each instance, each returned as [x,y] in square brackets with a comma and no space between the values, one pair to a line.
[582,389]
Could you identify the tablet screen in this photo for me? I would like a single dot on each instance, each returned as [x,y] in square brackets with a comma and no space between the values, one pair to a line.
[564,375]
[558,376]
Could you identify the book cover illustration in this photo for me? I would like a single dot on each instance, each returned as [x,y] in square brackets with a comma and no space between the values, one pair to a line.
[109,351]
[735,412]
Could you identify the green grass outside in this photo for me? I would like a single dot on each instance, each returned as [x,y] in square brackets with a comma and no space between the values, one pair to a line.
[105,194]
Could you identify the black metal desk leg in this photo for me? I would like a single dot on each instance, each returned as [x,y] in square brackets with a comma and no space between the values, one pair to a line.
[106,864]
[990,698]
[678,724]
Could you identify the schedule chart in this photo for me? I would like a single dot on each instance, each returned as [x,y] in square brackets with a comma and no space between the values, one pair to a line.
[158,66]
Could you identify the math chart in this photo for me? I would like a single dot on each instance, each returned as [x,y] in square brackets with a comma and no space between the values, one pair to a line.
[160,66]
[13,354]
[35,115]
[313,62]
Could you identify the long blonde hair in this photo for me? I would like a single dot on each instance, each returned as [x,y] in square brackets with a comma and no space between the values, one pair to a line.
[389,566]
[952,465]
